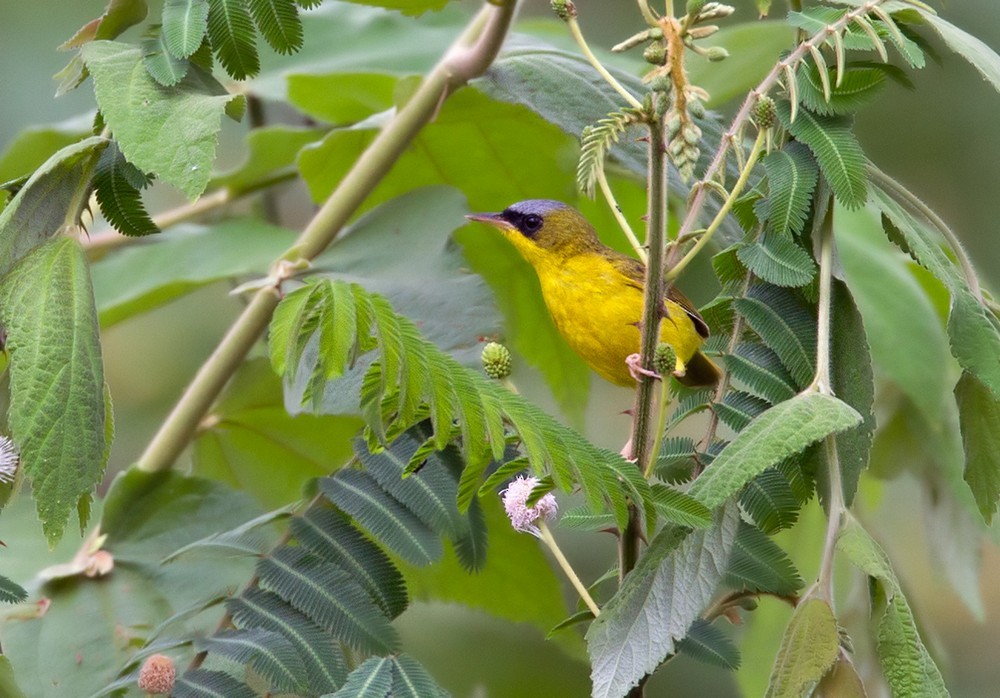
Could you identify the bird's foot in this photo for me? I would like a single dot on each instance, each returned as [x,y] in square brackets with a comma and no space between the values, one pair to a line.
[633,361]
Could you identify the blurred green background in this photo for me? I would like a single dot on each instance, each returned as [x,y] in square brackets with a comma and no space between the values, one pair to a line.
[940,139]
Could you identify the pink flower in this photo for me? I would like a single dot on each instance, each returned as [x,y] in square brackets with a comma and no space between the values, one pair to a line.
[157,674]
[515,502]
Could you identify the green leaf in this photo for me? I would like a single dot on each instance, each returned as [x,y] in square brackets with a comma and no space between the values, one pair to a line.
[204,683]
[42,206]
[373,679]
[411,680]
[853,382]
[974,50]
[342,98]
[266,651]
[11,592]
[329,597]
[770,502]
[329,536]
[759,371]
[153,124]
[407,7]
[8,686]
[389,522]
[657,603]
[779,260]
[836,149]
[757,564]
[184,25]
[233,38]
[676,507]
[249,430]
[270,154]
[808,650]
[738,409]
[906,664]
[57,410]
[907,341]
[706,643]
[791,179]
[860,85]
[27,150]
[162,66]
[786,324]
[324,661]
[979,411]
[119,199]
[782,431]
[975,339]
[279,24]
[140,278]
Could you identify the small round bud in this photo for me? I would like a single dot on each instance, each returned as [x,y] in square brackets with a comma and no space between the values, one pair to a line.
[564,9]
[655,53]
[696,109]
[664,360]
[496,360]
[716,54]
[748,603]
[673,124]
[764,113]
[661,83]
[157,674]
[691,134]
[676,147]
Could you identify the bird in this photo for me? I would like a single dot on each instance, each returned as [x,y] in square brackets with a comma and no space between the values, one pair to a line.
[595,294]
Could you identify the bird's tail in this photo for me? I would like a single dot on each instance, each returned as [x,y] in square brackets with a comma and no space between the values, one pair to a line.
[701,372]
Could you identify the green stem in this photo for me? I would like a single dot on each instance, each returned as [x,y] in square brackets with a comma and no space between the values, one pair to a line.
[574,30]
[706,237]
[460,64]
[616,211]
[647,14]
[581,589]
[661,426]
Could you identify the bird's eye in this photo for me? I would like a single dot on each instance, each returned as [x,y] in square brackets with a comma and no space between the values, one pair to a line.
[532,223]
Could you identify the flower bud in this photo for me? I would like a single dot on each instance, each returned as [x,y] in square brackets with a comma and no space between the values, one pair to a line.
[564,9]
[702,32]
[764,113]
[716,54]
[655,53]
[693,7]
[496,360]
[664,360]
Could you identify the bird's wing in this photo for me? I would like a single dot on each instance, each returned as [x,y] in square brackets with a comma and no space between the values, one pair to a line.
[635,271]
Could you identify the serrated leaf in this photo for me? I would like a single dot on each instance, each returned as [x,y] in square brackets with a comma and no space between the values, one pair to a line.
[785,324]
[768,500]
[39,209]
[655,606]
[979,412]
[676,507]
[233,38]
[268,652]
[184,25]
[389,522]
[791,179]
[860,85]
[837,151]
[329,535]
[57,413]
[373,679]
[759,371]
[706,643]
[205,683]
[983,58]
[779,260]
[153,124]
[757,564]
[738,409]
[975,339]
[323,659]
[166,69]
[808,650]
[782,431]
[120,201]
[329,597]
[279,24]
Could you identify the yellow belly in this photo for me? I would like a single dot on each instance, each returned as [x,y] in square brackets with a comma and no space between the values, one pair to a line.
[598,313]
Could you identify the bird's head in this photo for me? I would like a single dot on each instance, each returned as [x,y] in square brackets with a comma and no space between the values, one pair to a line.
[542,228]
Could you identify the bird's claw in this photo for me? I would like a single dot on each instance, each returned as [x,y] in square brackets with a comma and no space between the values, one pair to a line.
[633,361]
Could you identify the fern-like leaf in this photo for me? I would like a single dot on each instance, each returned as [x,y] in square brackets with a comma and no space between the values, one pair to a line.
[786,325]
[675,506]
[326,668]
[779,260]
[329,597]
[759,371]
[329,536]
[411,680]
[689,405]
[118,197]
[738,409]
[11,592]
[372,679]
[184,25]
[757,564]
[203,683]
[582,519]
[791,180]
[706,643]
[166,69]
[233,38]
[279,24]
[860,85]
[268,652]
[768,500]
[596,141]
[837,151]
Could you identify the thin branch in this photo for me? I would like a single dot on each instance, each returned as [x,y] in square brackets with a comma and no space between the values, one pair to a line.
[574,30]
[616,211]
[460,64]
[581,589]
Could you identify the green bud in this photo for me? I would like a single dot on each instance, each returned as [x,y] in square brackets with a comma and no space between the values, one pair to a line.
[564,9]
[693,7]
[691,134]
[696,109]
[664,360]
[673,125]
[496,360]
[655,53]
[661,83]
[764,113]
[716,53]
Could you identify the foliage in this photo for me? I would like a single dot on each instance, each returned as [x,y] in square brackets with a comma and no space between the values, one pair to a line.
[365,425]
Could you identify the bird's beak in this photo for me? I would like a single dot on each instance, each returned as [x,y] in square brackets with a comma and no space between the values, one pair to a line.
[495,219]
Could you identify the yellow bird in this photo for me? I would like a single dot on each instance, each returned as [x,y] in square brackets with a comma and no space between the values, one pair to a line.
[595,294]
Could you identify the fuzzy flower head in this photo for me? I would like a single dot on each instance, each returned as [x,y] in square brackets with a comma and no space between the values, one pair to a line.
[9,460]
[157,674]
[515,502]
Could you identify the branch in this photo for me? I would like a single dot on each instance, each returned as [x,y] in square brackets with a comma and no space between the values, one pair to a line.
[463,61]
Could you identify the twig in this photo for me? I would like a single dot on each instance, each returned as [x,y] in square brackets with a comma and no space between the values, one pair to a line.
[616,211]
[574,30]
[581,589]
